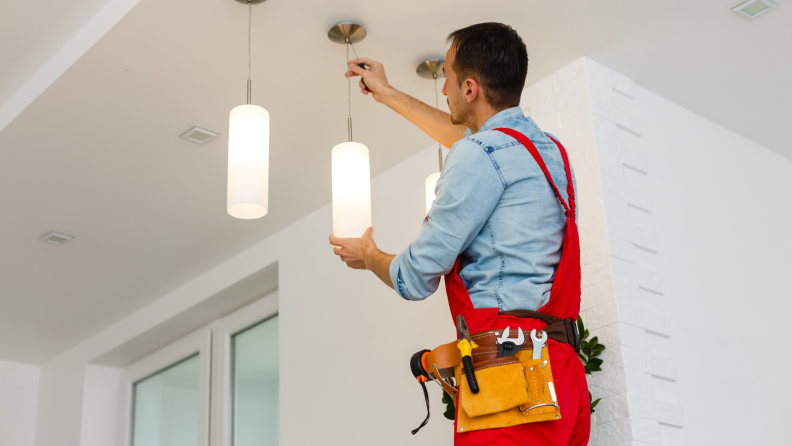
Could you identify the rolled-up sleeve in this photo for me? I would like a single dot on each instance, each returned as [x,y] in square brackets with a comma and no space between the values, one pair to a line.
[466,194]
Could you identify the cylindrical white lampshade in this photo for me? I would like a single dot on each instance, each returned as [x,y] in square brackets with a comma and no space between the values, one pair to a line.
[431,184]
[248,162]
[351,190]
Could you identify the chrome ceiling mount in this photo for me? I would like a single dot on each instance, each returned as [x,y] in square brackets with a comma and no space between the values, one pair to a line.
[431,68]
[254,2]
[347,31]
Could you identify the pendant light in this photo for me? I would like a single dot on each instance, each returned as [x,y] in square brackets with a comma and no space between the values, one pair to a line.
[350,160]
[248,152]
[432,68]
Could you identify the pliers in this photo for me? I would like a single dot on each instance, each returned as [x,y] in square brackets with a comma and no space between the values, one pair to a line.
[466,346]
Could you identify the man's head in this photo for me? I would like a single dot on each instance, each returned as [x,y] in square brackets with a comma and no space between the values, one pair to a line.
[485,69]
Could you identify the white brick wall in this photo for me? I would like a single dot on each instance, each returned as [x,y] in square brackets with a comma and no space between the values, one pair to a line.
[587,106]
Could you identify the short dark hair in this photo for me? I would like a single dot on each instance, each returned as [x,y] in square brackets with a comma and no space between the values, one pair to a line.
[495,56]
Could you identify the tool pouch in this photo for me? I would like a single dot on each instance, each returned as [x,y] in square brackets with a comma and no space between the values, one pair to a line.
[502,383]
[514,389]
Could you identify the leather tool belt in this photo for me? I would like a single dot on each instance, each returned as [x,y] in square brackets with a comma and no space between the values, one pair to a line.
[515,389]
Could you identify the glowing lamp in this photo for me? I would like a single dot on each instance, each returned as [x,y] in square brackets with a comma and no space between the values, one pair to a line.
[351,189]
[248,152]
[248,162]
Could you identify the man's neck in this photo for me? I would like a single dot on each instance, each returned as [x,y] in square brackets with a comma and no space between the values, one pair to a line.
[482,116]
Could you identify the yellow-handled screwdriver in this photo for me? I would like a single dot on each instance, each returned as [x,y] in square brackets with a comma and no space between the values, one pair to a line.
[466,346]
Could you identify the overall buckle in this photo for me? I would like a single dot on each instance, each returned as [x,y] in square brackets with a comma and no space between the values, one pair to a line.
[573,338]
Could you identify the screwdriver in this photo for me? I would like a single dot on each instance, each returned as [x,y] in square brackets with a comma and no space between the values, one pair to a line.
[360,64]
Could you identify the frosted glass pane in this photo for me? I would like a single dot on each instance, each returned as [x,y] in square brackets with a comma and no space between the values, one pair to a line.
[255,385]
[166,407]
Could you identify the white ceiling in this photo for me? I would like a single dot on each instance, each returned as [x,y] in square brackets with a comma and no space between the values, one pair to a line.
[31,33]
[97,156]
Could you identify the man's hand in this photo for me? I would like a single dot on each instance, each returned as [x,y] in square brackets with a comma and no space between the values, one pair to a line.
[375,78]
[353,251]
[362,253]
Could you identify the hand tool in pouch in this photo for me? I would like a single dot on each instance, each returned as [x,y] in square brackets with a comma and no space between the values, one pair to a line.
[538,343]
[466,346]
[418,369]
[508,346]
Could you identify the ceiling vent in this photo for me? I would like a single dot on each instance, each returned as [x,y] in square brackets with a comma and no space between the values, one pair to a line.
[199,135]
[752,9]
[55,238]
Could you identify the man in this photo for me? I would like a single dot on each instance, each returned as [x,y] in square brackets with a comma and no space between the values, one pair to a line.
[499,230]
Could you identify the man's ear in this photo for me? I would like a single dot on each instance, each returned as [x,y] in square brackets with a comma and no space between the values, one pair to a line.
[471,89]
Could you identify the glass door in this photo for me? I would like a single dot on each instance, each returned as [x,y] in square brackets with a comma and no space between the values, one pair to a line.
[166,406]
[255,385]
[245,376]
[165,399]
[229,370]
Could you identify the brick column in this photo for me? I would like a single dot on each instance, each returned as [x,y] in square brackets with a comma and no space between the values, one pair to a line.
[589,107]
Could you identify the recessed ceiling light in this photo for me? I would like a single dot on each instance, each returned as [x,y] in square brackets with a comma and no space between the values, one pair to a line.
[199,135]
[752,9]
[55,238]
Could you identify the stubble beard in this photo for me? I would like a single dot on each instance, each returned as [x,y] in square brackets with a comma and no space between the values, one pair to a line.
[459,114]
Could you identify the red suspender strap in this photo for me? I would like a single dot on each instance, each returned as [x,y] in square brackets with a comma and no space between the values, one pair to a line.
[570,188]
[568,210]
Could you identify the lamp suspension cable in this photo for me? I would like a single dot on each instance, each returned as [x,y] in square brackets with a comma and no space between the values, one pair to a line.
[437,101]
[349,87]
[349,91]
[250,20]
[437,106]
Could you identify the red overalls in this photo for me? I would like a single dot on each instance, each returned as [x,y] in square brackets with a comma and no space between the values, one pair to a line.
[568,373]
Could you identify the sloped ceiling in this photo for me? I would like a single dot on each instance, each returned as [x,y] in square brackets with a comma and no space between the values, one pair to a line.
[96,155]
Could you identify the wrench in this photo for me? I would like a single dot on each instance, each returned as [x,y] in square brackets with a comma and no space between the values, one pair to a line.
[510,346]
[538,343]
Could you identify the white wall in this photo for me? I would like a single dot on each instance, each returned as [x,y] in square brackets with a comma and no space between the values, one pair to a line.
[723,220]
[346,339]
[18,396]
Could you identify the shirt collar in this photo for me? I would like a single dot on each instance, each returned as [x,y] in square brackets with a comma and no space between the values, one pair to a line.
[499,119]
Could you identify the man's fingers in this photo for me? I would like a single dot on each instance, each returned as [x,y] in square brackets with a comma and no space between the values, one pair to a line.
[336,241]
[369,232]
[367,61]
[356,70]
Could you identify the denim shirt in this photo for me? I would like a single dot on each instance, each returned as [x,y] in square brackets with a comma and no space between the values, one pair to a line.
[496,211]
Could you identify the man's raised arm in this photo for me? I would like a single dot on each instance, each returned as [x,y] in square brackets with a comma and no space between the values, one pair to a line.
[435,123]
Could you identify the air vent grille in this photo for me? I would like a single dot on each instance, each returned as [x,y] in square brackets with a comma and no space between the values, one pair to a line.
[55,238]
[198,135]
[752,9]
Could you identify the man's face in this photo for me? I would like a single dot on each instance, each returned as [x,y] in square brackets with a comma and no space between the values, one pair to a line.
[457,103]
